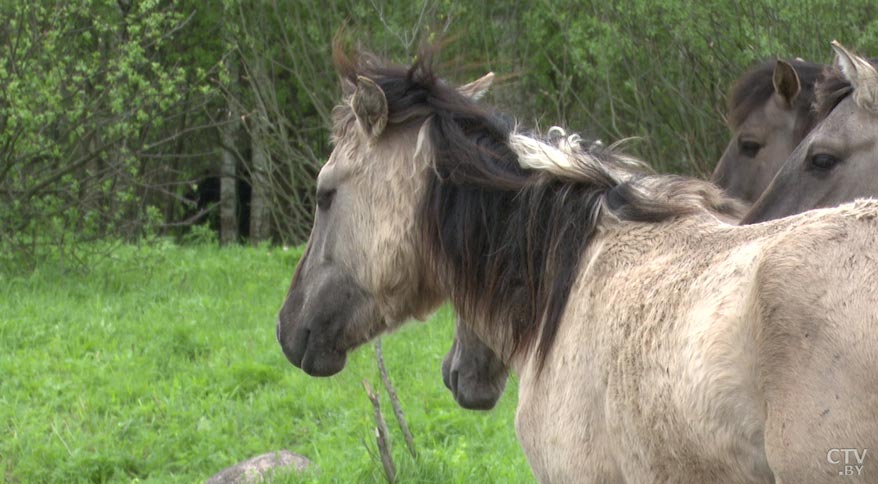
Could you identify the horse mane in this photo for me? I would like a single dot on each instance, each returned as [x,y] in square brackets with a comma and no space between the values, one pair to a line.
[832,88]
[506,215]
[754,88]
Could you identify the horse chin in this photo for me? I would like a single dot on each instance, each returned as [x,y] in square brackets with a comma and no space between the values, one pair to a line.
[447,363]
[473,392]
[323,362]
[475,395]
[320,323]
[478,401]
[313,355]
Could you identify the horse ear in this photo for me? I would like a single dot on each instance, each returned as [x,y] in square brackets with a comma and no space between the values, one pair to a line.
[370,107]
[786,81]
[476,89]
[855,69]
[860,73]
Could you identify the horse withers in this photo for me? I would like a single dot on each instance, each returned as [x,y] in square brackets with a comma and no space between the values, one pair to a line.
[653,341]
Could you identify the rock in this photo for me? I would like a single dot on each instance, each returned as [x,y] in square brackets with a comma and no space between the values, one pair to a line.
[257,469]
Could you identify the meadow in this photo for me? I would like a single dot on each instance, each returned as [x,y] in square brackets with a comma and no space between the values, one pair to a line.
[159,364]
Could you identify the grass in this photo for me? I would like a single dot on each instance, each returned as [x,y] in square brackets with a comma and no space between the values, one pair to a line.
[160,365]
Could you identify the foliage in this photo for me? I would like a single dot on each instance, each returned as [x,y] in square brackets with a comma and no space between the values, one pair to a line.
[659,70]
[88,88]
[161,365]
[109,108]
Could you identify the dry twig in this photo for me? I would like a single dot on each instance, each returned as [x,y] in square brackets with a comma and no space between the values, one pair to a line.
[381,434]
[394,400]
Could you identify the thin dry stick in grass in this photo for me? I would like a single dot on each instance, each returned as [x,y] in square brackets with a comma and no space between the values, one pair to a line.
[394,400]
[382,434]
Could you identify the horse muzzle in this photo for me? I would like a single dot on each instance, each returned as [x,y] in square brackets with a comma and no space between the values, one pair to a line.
[319,322]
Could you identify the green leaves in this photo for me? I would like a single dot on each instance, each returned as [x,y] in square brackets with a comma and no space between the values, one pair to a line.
[84,91]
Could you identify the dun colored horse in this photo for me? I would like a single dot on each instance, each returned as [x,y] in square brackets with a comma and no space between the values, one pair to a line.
[654,342]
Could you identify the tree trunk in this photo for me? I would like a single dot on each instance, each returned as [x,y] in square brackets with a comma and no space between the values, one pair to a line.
[259,220]
[228,175]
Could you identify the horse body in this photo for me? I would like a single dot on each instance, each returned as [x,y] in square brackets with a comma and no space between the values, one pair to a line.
[697,356]
[646,348]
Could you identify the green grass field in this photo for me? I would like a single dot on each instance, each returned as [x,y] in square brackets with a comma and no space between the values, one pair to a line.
[160,365]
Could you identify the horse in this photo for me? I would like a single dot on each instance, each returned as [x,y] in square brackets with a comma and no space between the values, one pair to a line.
[769,114]
[836,162]
[654,342]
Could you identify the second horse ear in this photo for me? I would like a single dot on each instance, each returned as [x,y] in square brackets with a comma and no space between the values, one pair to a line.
[861,73]
[786,81]
[476,89]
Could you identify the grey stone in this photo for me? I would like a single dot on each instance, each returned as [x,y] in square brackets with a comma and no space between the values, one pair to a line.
[260,468]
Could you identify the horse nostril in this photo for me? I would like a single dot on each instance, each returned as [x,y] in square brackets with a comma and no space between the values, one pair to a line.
[277,330]
[454,375]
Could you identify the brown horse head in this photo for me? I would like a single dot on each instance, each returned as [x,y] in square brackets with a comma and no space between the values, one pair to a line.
[838,161]
[769,114]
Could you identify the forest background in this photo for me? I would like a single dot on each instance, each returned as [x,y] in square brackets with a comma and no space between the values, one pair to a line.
[125,120]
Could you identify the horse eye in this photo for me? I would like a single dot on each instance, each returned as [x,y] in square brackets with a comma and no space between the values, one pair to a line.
[749,148]
[822,162]
[324,198]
